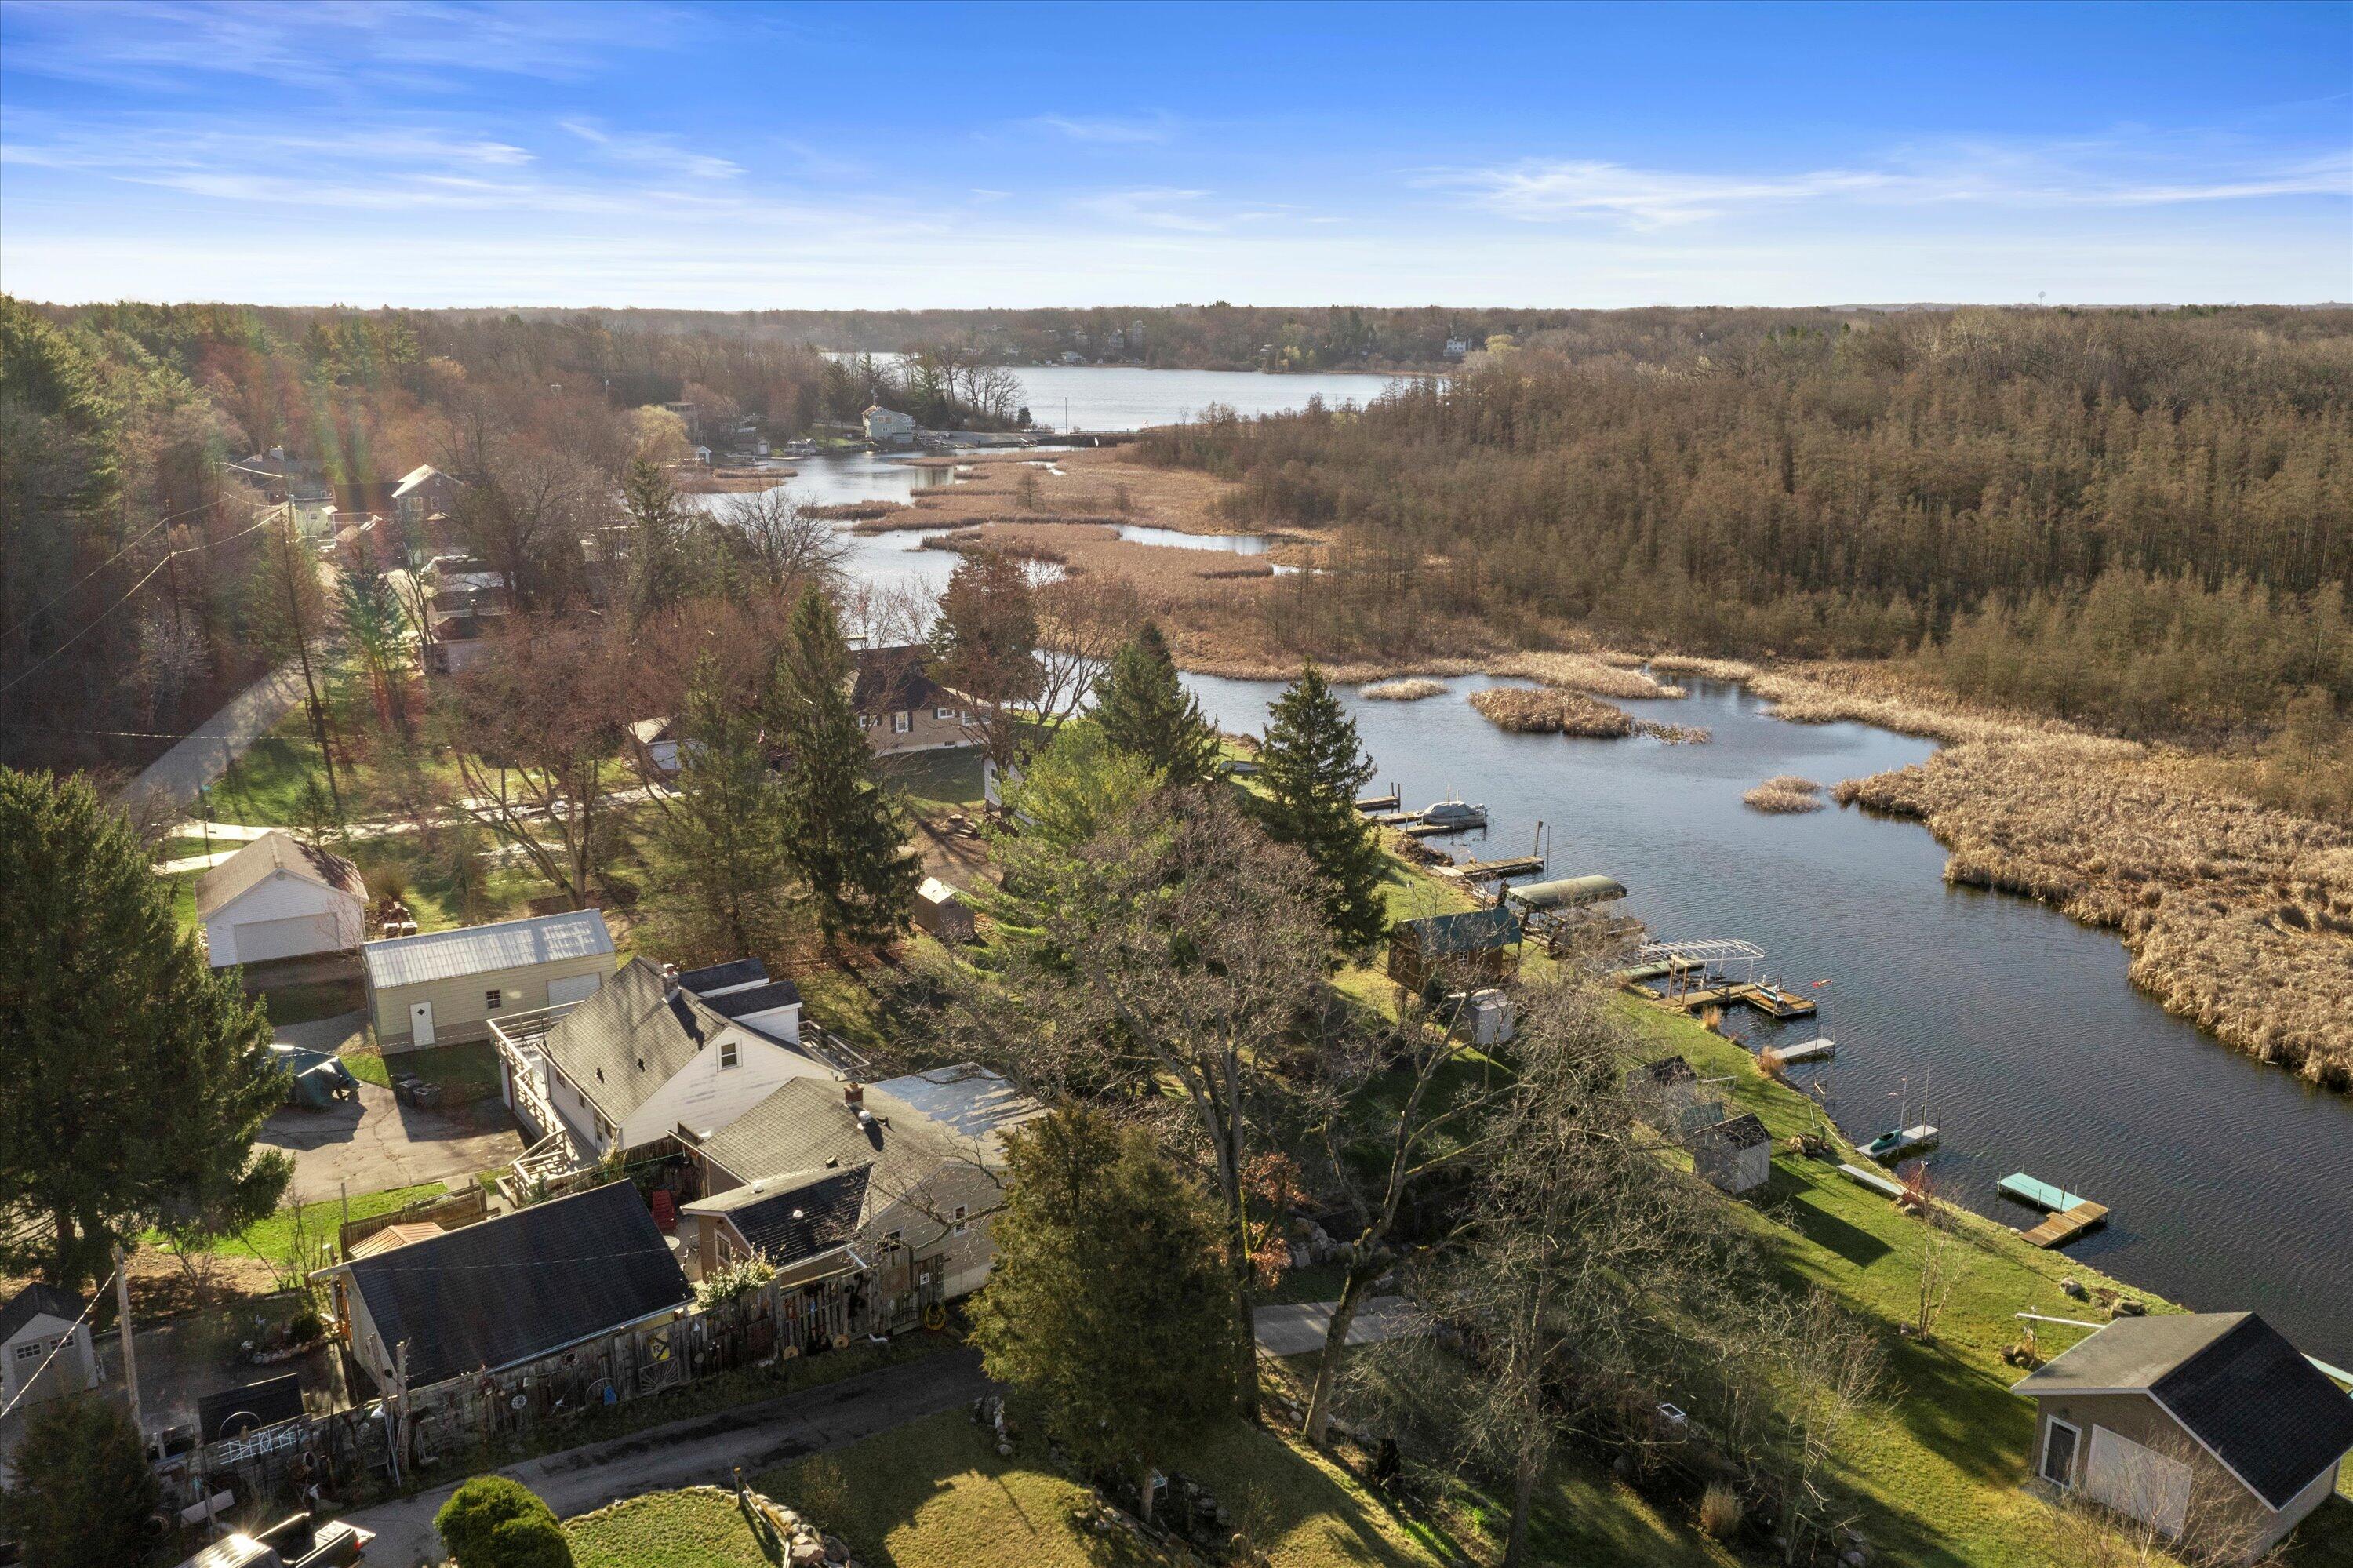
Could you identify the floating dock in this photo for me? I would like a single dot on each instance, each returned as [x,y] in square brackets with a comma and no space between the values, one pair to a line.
[1804,1051]
[1369,804]
[1415,828]
[1482,870]
[2070,1215]
[1900,1143]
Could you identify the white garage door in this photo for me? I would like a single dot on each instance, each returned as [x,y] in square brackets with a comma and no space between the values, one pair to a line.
[572,987]
[2137,1482]
[291,937]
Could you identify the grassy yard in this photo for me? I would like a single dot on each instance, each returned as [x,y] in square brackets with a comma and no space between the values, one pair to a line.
[466,1072]
[309,1000]
[938,782]
[272,1239]
[667,1530]
[935,1495]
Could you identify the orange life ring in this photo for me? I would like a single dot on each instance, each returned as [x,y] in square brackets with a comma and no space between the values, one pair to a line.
[935,1317]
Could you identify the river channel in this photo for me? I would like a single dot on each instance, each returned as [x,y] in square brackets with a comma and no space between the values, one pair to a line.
[2002,1022]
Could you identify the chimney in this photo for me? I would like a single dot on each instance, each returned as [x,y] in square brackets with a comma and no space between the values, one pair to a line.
[669,983]
[853,1094]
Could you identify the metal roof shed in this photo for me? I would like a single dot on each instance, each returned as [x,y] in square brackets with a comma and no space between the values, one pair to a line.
[444,986]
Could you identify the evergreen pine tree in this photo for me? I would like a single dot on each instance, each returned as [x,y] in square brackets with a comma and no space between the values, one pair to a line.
[724,833]
[137,1075]
[82,1493]
[1144,708]
[1313,765]
[1108,1306]
[661,569]
[844,833]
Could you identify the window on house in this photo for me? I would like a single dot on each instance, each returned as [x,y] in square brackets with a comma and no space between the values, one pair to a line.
[890,1238]
[491,998]
[2059,1453]
[901,722]
[727,1053]
[959,1227]
[943,713]
[26,1352]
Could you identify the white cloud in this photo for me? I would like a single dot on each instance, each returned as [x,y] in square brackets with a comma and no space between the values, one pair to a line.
[1153,206]
[1113,129]
[645,150]
[329,44]
[2114,172]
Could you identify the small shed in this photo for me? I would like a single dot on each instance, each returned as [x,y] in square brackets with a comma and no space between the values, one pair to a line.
[447,986]
[941,910]
[1455,950]
[1734,1156]
[279,898]
[44,1345]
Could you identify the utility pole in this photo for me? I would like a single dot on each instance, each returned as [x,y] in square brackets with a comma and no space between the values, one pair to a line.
[130,1352]
[302,641]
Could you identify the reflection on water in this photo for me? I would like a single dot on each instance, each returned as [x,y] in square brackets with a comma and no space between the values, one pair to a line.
[1238,544]
[2226,1179]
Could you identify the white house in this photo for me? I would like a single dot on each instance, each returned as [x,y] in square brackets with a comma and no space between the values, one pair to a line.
[654,1052]
[887,427]
[277,898]
[42,1336]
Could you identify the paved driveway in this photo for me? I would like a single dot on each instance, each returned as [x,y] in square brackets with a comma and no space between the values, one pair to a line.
[378,1142]
[702,1451]
[204,755]
[1298,1328]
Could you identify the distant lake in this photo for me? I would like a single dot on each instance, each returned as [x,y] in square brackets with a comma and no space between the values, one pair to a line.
[1131,397]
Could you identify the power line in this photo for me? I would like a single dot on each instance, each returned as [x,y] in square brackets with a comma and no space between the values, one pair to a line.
[95,1297]
[109,560]
[169,556]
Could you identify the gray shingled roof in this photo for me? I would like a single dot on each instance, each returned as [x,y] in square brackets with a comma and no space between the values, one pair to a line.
[630,1038]
[1740,1132]
[485,949]
[2231,1380]
[807,1124]
[265,857]
[34,1300]
[522,1285]
[788,1218]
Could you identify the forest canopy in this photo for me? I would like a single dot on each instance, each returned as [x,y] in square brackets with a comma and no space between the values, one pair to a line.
[2140,519]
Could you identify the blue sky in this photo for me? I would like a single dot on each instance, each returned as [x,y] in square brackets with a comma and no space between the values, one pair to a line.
[741,157]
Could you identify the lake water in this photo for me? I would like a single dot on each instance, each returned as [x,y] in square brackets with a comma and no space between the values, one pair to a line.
[1123,397]
[2227,1179]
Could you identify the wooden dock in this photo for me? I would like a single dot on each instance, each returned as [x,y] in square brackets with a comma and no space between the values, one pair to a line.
[1483,870]
[1804,1051]
[2066,1226]
[2070,1215]
[1771,1001]
[1415,828]
[1370,804]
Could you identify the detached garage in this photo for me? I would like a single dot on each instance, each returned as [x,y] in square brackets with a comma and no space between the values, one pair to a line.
[447,986]
[276,898]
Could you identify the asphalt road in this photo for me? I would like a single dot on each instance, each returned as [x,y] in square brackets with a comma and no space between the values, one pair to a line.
[204,756]
[1296,1330]
[702,1451]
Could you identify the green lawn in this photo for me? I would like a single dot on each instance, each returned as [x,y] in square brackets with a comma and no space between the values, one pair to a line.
[272,1239]
[699,1528]
[314,1000]
[934,1494]
[938,782]
[465,1072]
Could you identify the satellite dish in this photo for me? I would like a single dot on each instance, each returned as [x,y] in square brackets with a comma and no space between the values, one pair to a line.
[519,1402]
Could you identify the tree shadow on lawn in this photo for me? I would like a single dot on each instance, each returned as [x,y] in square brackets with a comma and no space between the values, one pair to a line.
[1805,1213]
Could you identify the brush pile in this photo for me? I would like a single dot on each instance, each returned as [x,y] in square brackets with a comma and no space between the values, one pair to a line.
[1675,734]
[1411,691]
[1785,792]
[1551,712]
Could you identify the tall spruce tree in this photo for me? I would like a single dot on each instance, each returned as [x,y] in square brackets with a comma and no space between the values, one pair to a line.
[1313,764]
[137,1075]
[1144,708]
[1107,1306]
[724,830]
[82,1492]
[661,545]
[844,831]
